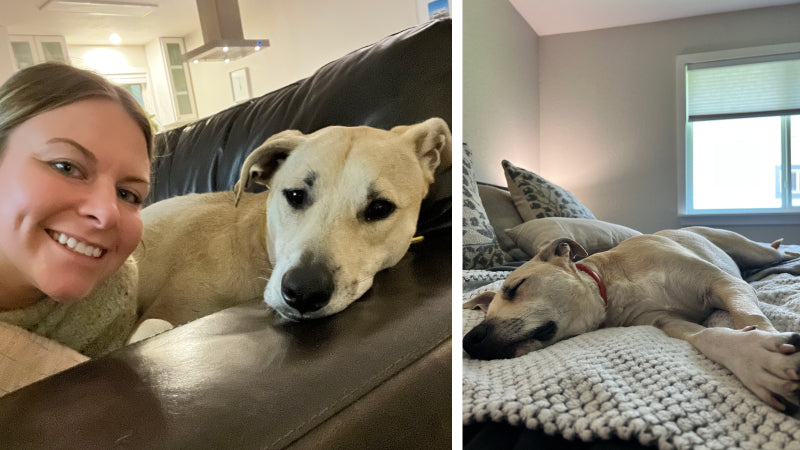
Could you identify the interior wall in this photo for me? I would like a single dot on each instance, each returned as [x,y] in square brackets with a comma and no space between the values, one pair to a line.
[608,111]
[6,59]
[500,88]
[303,37]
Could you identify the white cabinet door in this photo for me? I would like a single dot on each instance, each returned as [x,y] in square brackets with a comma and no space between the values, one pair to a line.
[30,50]
[52,48]
[180,80]
[23,49]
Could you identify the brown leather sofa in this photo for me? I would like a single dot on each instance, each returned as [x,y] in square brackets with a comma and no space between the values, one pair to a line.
[377,375]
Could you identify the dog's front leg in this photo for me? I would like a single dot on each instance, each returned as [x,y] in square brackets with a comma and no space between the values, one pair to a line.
[766,363]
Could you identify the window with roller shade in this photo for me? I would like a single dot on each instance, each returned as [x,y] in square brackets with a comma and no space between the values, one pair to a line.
[740,117]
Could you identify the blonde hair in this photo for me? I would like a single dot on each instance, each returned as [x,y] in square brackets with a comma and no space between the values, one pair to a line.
[47,86]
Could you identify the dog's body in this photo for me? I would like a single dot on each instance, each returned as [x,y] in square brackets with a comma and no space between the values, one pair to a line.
[200,255]
[343,204]
[672,280]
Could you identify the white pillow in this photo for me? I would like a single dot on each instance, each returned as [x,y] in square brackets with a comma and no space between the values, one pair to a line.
[594,235]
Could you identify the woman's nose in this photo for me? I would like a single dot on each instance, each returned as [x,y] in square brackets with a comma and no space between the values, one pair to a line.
[101,205]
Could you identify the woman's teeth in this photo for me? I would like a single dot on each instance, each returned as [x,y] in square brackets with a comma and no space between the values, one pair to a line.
[75,245]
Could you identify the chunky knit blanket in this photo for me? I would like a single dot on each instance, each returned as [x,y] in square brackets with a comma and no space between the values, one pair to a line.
[633,383]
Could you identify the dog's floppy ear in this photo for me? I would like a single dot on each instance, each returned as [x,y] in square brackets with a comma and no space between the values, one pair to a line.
[433,145]
[261,163]
[481,301]
[562,248]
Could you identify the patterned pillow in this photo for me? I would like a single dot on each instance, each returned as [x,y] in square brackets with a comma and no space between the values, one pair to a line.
[536,197]
[481,249]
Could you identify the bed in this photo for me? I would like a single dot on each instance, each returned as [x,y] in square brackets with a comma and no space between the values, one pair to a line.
[618,387]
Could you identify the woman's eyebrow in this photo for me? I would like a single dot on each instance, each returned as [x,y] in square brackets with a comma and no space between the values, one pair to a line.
[89,155]
[78,146]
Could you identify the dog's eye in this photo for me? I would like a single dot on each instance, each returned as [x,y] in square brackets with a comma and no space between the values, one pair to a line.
[510,288]
[379,210]
[295,197]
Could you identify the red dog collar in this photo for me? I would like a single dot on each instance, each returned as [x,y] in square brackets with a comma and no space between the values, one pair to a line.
[597,279]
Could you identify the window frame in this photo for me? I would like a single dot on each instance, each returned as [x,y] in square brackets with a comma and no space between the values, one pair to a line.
[687,216]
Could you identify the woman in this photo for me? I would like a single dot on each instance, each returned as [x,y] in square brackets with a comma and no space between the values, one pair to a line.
[74,170]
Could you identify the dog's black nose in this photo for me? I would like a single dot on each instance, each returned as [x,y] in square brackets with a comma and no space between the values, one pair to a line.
[307,288]
[476,343]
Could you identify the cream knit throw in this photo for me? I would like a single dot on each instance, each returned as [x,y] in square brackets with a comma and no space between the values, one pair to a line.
[634,383]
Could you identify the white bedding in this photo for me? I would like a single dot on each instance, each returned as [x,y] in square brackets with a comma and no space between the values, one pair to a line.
[633,383]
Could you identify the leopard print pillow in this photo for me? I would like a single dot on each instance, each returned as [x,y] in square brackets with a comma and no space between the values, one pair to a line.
[481,249]
[536,197]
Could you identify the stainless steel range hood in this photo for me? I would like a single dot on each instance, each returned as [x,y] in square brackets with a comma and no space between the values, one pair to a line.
[222,33]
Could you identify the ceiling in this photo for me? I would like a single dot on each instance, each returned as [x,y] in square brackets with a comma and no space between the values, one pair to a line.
[568,16]
[175,18]
[172,18]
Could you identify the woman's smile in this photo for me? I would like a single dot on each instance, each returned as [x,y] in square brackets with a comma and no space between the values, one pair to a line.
[77,245]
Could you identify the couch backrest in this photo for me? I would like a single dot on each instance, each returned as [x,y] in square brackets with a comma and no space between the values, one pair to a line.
[402,79]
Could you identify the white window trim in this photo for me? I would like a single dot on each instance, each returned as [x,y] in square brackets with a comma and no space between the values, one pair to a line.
[719,218]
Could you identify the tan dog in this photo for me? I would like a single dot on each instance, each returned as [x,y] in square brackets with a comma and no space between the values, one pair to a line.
[342,204]
[672,280]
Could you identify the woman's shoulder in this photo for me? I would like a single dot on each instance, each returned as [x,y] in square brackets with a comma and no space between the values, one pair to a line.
[93,326]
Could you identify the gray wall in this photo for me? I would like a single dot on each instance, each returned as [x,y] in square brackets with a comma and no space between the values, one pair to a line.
[608,110]
[501,88]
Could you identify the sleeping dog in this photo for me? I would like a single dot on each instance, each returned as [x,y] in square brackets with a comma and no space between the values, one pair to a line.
[342,204]
[672,280]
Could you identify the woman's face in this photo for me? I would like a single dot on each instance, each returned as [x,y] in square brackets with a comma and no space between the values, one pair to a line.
[71,185]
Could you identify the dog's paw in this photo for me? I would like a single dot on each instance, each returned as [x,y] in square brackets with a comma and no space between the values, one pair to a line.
[767,363]
[771,364]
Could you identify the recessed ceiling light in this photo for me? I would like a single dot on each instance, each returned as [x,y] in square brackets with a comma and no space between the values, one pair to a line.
[100,7]
[115,39]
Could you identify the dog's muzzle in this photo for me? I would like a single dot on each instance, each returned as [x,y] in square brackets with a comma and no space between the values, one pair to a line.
[480,344]
[500,340]
[307,288]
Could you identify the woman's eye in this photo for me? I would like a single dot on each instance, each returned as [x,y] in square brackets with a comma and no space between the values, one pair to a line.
[295,197]
[66,168]
[129,196]
[379,210]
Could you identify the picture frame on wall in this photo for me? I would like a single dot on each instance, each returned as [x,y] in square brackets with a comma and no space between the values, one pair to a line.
[432,9]
[240,85]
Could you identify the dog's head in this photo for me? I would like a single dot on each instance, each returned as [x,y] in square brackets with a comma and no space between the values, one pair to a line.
[343,204]
[542,302]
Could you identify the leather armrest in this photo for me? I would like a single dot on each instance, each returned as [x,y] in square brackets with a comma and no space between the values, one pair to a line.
[377,373]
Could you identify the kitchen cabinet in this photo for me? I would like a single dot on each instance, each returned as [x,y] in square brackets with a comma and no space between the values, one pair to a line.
[29,50]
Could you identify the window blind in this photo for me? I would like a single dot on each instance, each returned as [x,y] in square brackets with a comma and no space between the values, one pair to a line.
[744,87]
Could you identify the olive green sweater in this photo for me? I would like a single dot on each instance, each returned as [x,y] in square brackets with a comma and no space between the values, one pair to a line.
[93,326]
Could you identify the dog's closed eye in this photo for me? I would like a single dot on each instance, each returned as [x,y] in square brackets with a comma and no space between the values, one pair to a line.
[509,290]
[378,209]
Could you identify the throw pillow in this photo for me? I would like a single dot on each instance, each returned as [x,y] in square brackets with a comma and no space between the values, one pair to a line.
[481,250]
[536,197]
[502,215]
[594,235]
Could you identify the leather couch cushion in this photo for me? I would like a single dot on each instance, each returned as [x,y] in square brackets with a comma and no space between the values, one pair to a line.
[403,79]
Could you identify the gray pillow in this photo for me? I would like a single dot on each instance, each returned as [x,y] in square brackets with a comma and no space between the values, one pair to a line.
[536,197]
[594,235]
[481,250]
[502,215]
